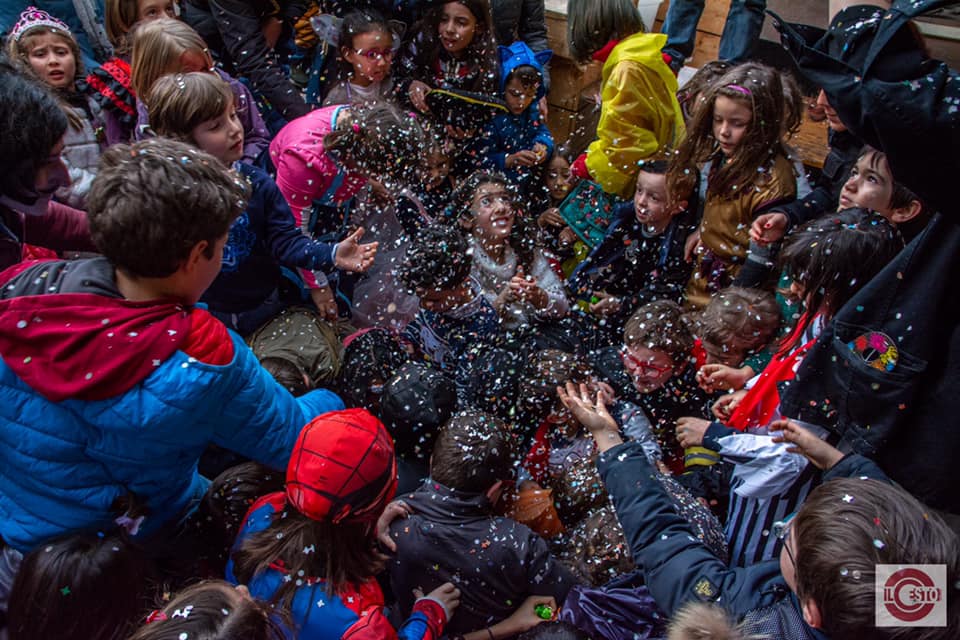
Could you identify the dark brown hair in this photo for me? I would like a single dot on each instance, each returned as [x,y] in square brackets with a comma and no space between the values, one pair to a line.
[482,49]
[900,195]
[691,94]
[84,587]
[287,373]
[833,257]
[473,451]
[847,527]
[215,610]
[591,24]
[339,554]
[761,142]
[660,326]
[379,140]
[153,201]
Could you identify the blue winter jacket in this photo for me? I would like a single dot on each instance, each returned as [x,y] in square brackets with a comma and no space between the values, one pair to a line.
[67,463]
[507,133]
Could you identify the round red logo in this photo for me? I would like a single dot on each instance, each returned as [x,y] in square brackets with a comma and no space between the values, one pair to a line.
[910,594]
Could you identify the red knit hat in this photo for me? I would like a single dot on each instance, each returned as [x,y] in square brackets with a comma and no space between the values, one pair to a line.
[342,468]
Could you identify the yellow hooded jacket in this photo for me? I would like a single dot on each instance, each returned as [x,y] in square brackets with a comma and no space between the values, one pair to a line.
[639,115]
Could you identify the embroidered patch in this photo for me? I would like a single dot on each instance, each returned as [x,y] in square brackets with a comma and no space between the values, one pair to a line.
[705,590]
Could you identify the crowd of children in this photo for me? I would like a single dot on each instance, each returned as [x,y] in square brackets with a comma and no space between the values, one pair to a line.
[400,366]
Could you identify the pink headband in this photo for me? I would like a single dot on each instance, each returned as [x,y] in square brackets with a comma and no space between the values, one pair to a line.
[739,89]
[32,18]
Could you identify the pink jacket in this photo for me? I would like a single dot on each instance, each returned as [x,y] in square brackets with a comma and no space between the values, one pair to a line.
[307,173]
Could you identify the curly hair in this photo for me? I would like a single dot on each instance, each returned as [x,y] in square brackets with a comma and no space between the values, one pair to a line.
[152,202]
[437,259]
[759,88]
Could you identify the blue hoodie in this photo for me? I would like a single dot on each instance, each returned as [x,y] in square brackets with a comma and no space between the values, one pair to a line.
[508,133]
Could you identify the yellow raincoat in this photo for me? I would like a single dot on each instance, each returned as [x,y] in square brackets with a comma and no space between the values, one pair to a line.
[640,114]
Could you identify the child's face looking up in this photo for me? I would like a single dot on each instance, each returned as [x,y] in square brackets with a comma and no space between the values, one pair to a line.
[519,97]
[493,214]
[557,178]
[650,201]
[221,137]
[51,58]
[370,56]
[731,119]
[869,186]
[458,26]
[153,9]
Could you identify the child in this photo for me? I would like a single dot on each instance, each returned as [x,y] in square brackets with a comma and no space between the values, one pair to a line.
[199,108]
[518,143]
[371,357]
[31,172]
[512,271]
[166,46]
[85,587]
[366,51]
[841,533]
[45,48]
[655,369]
[454,315]
[299,336]
[453,535]
[871,185]
[427,199]
[311,549]
[639,112]
[139,354]
[325,157]
[829,261]
[736,325]
[641,257]
[559,237]
[212,610]
[111,81]
[454,49]
[738,129]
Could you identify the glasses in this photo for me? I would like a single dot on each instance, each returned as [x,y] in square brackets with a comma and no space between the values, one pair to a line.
[645,368]
[376,54]
[781,530]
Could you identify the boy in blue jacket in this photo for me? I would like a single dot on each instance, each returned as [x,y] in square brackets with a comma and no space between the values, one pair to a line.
[823,584]
[518,143]
[112,380]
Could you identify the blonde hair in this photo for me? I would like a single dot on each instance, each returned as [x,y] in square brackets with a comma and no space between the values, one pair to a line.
[700,621]
[119,18]
[157,47]
[181,102]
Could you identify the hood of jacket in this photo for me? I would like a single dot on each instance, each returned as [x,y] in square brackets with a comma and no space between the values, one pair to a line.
[443,505]
[518,55]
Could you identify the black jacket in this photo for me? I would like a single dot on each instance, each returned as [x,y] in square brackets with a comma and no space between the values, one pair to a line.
[890,96]
[232,27]
[495,562]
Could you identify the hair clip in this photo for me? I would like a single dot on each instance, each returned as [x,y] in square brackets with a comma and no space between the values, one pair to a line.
[156,615]
[739,89]
[356,128]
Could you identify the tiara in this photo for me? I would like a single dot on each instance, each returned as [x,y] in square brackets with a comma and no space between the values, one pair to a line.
[33,17]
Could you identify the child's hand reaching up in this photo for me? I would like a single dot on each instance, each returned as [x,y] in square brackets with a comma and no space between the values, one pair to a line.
[821,453]
[353,256]
[606,304]
[720,377]
[591,413]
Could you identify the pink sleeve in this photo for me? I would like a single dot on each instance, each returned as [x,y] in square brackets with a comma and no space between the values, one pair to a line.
[303,177]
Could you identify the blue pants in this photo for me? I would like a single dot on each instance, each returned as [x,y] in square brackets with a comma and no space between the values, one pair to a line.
[740,32]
